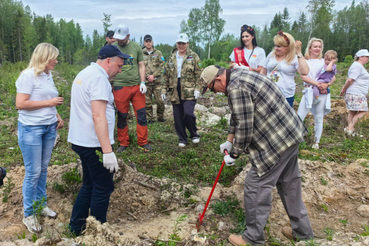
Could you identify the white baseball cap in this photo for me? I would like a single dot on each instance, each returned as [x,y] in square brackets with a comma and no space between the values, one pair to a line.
[363,52]
[182,37]
[121,32]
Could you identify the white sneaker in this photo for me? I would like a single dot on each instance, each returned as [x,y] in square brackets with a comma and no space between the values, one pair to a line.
[315,146]
[196,140]
[48,212]
[181,145]
[32,224]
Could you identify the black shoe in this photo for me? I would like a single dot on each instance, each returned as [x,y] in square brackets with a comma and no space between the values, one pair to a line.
[162,120]
[150,122]
[146,148]
[121,148]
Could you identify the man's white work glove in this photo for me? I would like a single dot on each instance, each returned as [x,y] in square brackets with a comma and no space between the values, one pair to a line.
[110,162]
[225,146]
[229,161]
[196,94]
[163,97]
[143,88]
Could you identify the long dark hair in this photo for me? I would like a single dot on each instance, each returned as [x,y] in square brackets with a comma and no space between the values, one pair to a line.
[250,30]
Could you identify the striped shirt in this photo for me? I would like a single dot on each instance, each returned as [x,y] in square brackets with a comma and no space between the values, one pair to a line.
[262,121]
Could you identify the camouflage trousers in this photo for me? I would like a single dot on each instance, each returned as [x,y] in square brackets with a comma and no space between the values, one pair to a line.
[154,90]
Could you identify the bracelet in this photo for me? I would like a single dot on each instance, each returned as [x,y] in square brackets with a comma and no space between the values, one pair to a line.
[143,82]
[233,155]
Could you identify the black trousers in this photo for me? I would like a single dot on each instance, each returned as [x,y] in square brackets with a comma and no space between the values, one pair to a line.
[184,117]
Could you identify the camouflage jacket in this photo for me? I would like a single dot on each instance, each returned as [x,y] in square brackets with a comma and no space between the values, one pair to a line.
[154,64]
[190,76]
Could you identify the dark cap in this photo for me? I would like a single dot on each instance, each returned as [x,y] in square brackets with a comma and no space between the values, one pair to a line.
[110,33]
[111,51]
[147,37]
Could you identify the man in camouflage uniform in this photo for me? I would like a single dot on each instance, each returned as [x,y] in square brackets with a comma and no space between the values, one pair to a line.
[154,64]
[181,82]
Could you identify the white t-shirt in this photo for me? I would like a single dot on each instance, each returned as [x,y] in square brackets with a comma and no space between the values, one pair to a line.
[358,73]
[315,66]
[39,88]
[254,58]
[91,84]
[283,74]
[179,64]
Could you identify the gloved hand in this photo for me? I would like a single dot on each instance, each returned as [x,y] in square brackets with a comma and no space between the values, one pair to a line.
[241,66]
[225,146]
[143,88]
[229,161]
[110,162]
[163,97]
[196,94]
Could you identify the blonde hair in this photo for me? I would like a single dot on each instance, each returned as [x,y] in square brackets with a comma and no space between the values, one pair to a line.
[331,55]
[280,40]
[310,43]
[43,53]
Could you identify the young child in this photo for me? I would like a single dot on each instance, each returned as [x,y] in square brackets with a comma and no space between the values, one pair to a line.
[327,73]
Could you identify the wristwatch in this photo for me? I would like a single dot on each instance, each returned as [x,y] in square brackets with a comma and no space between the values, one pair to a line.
[299,56]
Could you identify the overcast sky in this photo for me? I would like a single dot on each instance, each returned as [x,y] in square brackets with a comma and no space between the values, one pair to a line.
[162,18]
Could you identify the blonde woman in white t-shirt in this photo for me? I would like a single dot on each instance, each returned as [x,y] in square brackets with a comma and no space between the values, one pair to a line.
[313,55]
[283,62]
[355,90]
[38,121]
[249,54]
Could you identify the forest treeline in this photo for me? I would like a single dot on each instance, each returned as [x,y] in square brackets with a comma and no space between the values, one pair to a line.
[345,31]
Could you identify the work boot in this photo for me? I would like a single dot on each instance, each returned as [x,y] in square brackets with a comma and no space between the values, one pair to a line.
[236,240]
[162,120]
[287,232]
[146,148]
[121,148]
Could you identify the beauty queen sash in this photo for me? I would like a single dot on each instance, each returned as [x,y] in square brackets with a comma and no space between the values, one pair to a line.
[239,56]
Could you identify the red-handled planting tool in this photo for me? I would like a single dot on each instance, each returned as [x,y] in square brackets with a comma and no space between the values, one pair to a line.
[201,216]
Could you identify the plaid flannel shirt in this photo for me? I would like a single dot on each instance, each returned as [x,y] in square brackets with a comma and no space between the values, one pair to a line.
[262,121]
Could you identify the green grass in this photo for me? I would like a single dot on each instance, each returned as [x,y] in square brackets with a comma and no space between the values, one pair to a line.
[230,207]
[196,164]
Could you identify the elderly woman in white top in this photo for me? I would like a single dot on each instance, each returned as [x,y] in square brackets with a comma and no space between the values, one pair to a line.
[313,56]
[38,121]
[283,62]
[355,90]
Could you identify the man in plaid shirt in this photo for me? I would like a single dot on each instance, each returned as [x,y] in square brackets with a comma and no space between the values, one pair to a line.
[264,126]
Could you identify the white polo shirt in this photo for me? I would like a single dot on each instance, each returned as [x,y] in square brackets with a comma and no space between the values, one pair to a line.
[40,88]
[91,84]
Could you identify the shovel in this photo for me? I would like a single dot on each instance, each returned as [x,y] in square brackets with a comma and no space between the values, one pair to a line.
[201,216]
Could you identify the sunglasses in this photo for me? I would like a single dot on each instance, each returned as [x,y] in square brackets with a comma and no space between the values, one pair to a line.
[211,86]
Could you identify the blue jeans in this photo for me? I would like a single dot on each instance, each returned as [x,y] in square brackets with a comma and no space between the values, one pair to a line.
[290,100]
[36,144]
[94,194]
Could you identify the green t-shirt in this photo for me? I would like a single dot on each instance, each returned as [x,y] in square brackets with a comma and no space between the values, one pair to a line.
[130,74]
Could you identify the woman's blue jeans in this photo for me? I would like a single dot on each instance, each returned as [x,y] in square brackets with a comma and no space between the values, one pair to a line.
[36,144]
[94,194]
[290,100]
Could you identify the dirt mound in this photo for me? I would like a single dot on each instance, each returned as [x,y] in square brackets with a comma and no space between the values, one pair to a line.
[144,209]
